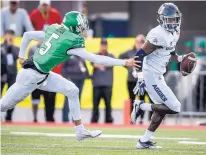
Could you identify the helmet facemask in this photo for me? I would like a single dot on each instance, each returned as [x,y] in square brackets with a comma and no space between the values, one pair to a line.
[83,25]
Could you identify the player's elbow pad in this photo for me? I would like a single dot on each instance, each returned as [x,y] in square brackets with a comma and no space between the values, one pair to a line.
[141,54]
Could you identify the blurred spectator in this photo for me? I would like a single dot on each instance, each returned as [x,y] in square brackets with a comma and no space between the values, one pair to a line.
[76,71]
[201,83]
[9,55]
[49,97]
[201,50]
[188,47]
[44,15]
[102,86]
[131,81]
[15,18]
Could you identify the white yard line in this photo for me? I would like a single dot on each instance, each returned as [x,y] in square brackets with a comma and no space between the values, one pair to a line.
[102,136]
[192,142]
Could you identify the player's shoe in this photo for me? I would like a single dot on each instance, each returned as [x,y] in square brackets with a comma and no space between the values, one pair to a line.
[147,145]
[87,134]
[136,111]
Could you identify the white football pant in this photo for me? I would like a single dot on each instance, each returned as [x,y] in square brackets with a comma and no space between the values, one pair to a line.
[159,92]
[26,83]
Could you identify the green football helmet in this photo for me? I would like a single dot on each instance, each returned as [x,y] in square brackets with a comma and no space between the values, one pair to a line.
[76,22]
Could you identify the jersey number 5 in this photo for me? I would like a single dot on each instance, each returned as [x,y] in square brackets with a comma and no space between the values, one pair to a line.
[48,44]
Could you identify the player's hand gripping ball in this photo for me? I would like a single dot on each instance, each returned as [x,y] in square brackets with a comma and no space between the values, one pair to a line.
[188,64]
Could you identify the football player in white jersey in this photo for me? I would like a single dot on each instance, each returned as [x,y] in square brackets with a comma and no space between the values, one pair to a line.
[155,55]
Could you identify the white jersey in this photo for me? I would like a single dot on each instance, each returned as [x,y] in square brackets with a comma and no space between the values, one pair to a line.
[158,59]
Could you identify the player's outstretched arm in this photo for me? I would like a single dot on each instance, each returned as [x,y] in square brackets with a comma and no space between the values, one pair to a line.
[26,39]
[103,60]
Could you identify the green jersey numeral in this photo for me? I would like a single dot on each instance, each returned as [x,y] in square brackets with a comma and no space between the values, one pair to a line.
[48,44]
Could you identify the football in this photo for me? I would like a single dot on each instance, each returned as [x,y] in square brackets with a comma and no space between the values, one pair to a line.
[188,64]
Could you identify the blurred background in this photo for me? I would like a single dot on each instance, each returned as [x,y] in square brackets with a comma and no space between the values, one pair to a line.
[117,29]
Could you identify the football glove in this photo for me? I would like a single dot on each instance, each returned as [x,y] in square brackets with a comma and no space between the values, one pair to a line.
[140,87]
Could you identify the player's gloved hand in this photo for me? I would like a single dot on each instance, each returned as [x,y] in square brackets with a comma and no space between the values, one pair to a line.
[140,87]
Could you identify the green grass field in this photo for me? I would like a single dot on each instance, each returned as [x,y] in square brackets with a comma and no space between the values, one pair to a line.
[15,144]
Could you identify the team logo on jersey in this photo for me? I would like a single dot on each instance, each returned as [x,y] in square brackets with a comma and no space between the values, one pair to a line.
[159,92]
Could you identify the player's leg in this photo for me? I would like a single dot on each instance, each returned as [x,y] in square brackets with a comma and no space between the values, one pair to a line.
[142,114]
[26,82]
[142,97]
[165,100]
[144,142]
[150,101]
[166,103]
[65,109]
[162,108]
[56,83]
[155,121]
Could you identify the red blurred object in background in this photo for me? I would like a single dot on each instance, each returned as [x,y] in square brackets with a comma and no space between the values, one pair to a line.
[57,69]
